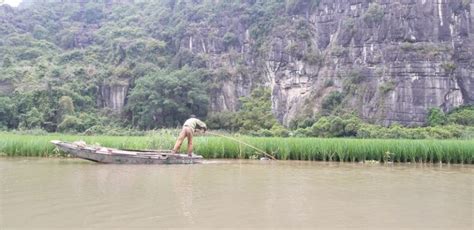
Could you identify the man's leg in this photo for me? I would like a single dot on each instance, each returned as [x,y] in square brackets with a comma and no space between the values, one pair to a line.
[190,143]
[179,141]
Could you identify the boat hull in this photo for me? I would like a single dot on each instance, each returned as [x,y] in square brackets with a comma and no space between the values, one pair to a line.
[117,156]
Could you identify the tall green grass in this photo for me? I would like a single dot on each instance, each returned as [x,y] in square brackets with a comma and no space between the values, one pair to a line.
[314,149]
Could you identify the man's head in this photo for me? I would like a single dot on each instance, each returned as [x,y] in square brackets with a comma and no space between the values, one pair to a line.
[192,116]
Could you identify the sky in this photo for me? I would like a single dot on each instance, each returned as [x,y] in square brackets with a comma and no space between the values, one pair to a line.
[10,2]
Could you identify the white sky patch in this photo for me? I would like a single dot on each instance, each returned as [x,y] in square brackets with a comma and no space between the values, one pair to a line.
[13,3]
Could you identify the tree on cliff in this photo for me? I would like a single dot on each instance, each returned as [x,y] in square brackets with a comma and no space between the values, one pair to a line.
[166,98]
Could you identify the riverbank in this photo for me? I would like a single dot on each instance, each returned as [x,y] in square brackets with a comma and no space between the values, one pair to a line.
[317,149]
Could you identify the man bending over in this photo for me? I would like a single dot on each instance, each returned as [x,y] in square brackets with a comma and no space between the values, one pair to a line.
[189,127]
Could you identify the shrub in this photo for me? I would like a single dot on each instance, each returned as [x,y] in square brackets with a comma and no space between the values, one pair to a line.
[8,118]
[331,101]
[351,126]
[374,14]
[436,117]
[295,6]
[449,67]
[279,131]
[263,133]
[71,124]
[230,39]
[301,132]
[337,51]
[256,112]
[224,120]
[462,116]
[336,127]
[387,87]
[32,119]
[313,57]
[321,127]
[328,83]
[301,123]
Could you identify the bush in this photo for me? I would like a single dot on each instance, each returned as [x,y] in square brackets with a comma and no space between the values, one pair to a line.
[328,83]
[166,98]
[364,132]
[296,6]
[95,130]
[230,39]
[387,87]
[351,126]
[321,127]
[331,101]
[462,116]
[374,14]
[336,127]
[279,131]
[71,124]
[301,132]
[256,112]
[224,120]
[264,133]
[436,117]
[8,118]
[31,120]
[301,123]
[313,57]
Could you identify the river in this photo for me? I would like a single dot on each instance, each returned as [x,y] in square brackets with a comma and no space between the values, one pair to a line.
[71,193]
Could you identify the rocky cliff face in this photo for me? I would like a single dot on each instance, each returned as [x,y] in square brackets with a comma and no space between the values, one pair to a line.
[390,61]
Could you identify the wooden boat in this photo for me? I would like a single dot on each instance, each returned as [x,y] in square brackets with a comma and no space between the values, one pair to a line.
[117,156]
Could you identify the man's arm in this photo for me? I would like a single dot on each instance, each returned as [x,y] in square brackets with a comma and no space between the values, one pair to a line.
[202,125]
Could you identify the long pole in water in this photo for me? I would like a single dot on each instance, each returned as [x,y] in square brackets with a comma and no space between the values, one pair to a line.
[241,142]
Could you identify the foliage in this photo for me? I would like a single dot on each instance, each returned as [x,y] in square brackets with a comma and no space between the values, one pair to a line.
[7,113]
[70,124]
[374,14]
[279,131]
[66,106]
[352,126]
[31,120]
[436,117]
[296,6]
[223,120]
[335,126]
[331,101]
[448,67]
[313,57]
[462,116]
[301,123]
[256,111]
[64,59]
[387,87]
[166,98]
[230,39]
[312,149]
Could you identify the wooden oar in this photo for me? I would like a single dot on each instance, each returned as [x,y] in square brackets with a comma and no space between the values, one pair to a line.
[241,142]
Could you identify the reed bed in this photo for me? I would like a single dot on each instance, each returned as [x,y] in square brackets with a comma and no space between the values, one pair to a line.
[312,149]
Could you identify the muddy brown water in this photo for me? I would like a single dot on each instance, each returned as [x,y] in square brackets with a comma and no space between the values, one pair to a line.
[70,193]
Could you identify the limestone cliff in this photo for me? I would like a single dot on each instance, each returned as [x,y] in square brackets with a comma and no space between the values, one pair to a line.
[388,61]
[391,61]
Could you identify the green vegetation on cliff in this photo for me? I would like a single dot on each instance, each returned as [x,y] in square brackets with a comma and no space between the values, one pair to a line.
[81,53]
[123,68]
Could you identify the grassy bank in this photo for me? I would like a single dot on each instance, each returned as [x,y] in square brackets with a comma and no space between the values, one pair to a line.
[332,149]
